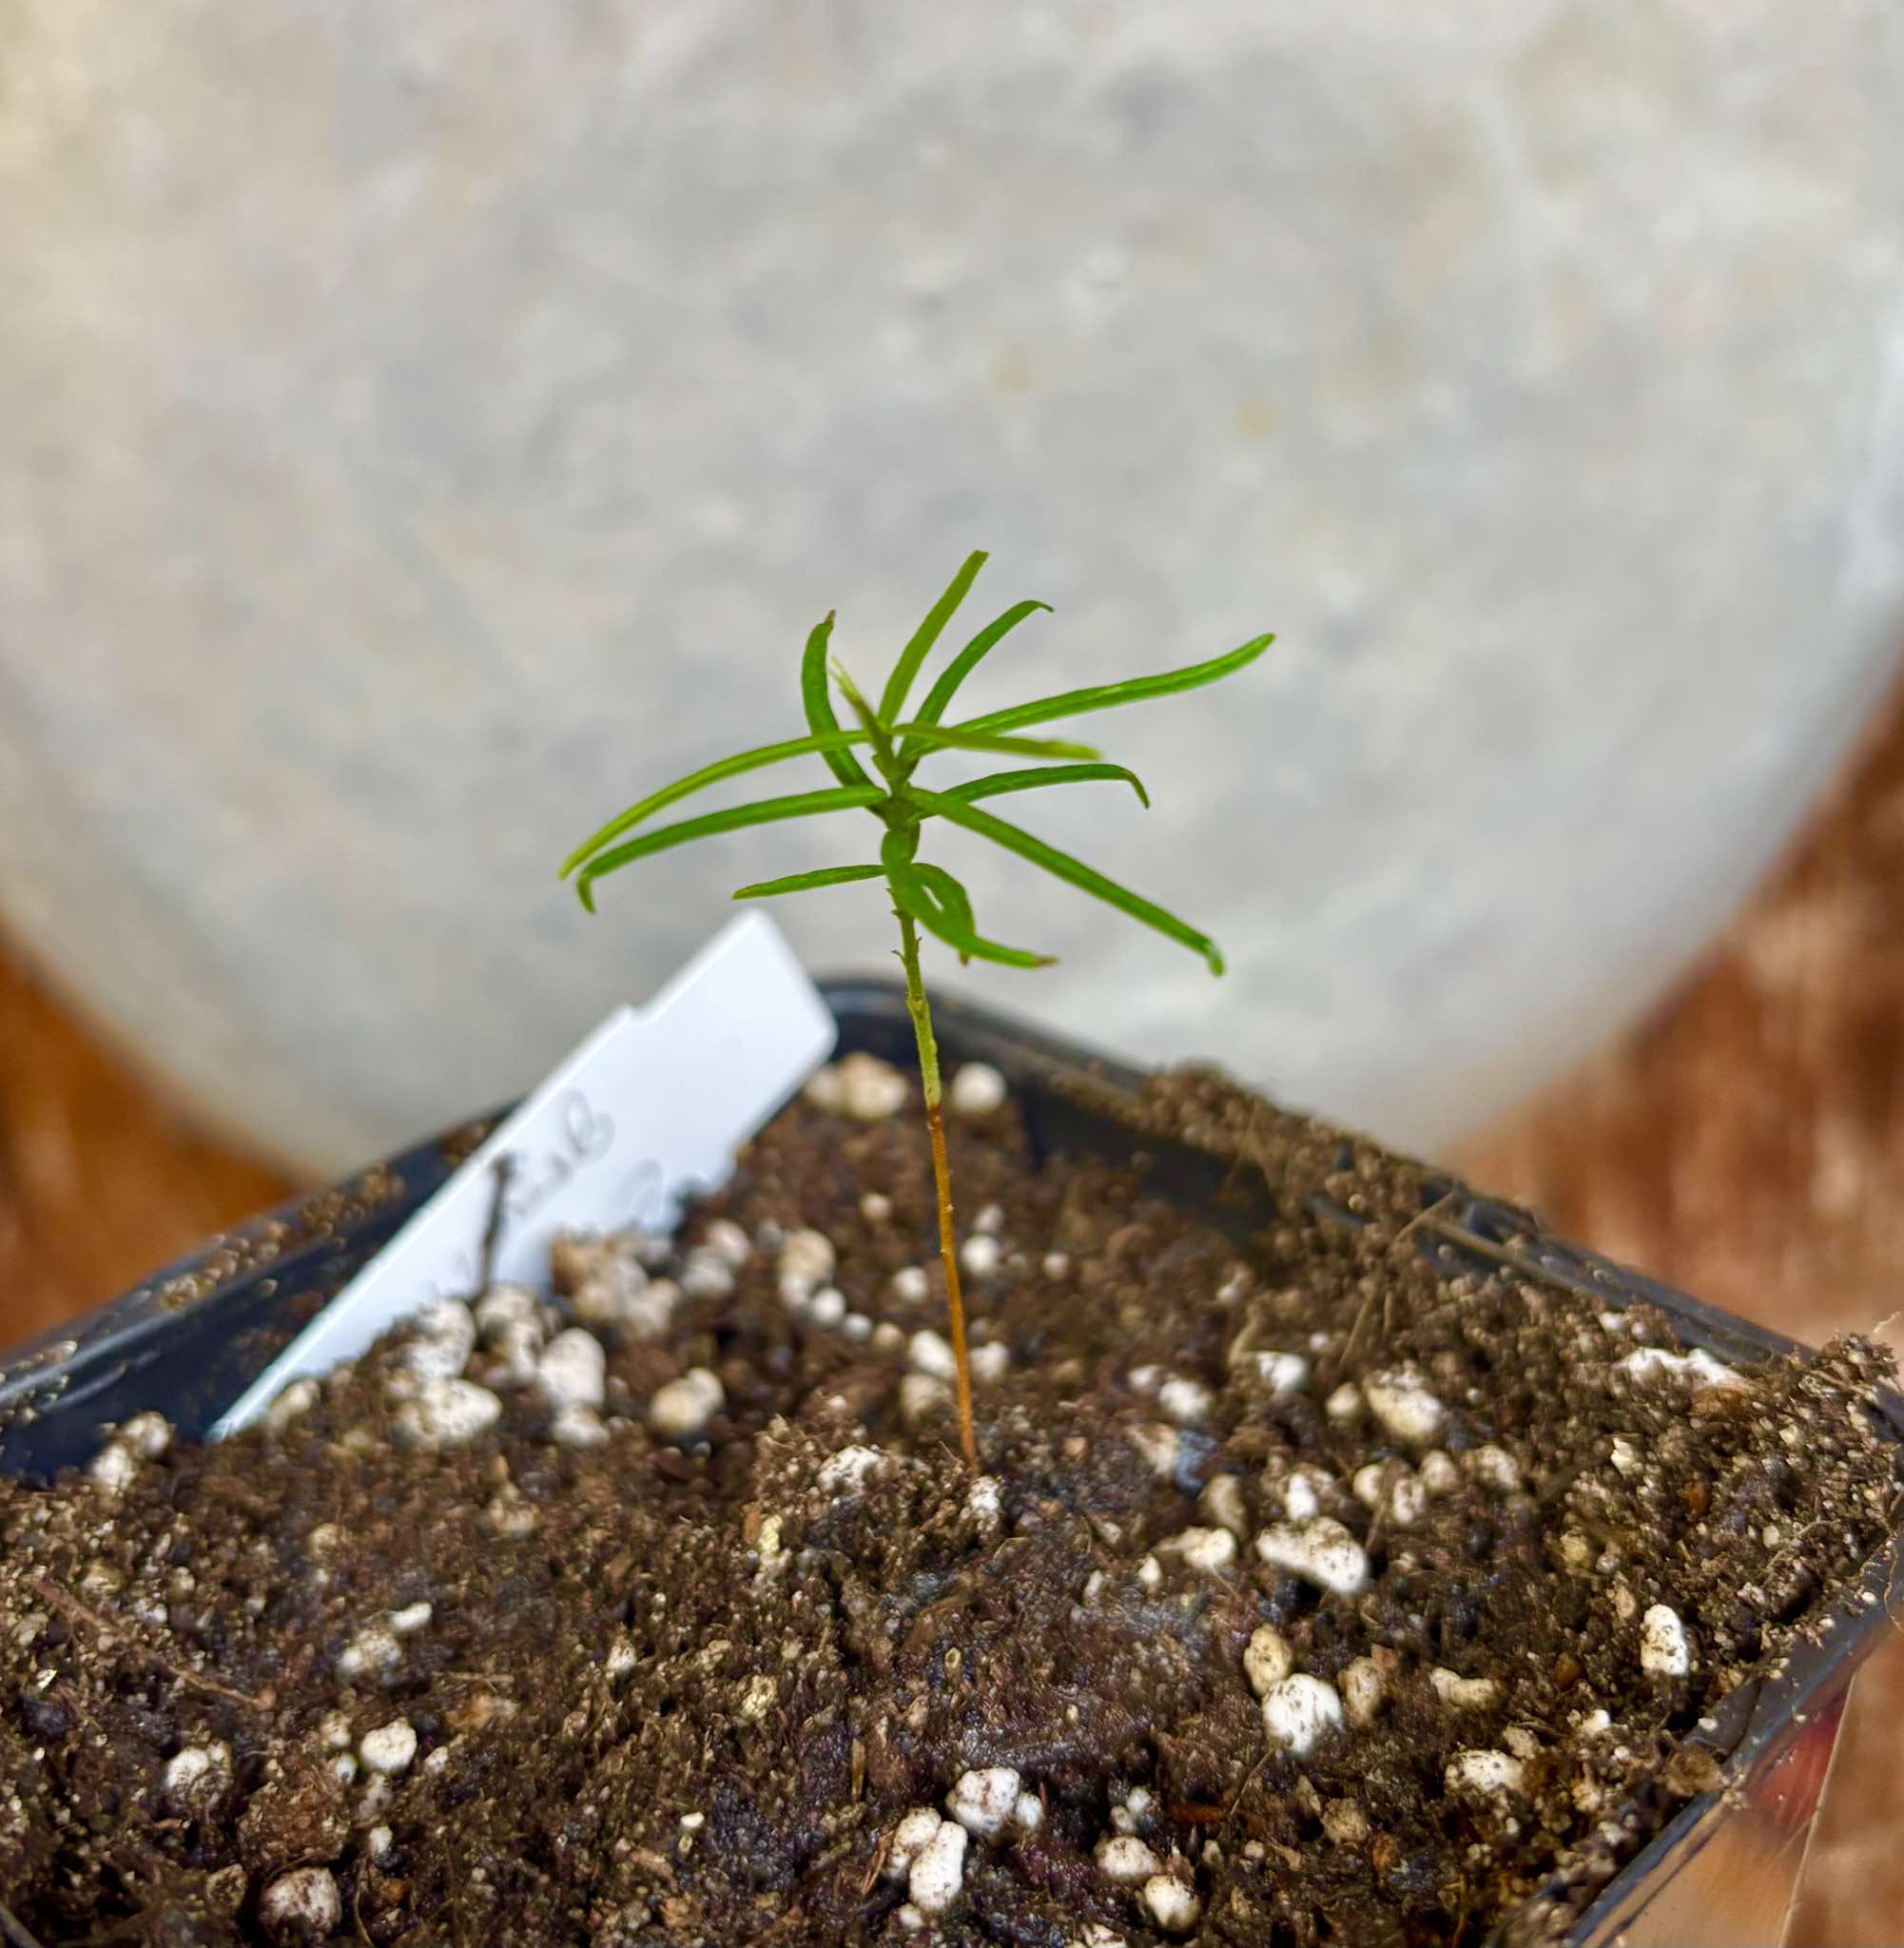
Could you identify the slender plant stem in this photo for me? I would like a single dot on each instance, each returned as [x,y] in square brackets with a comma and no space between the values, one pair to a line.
[920,1011]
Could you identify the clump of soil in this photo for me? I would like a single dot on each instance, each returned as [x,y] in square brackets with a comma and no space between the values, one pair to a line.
[1312,1594]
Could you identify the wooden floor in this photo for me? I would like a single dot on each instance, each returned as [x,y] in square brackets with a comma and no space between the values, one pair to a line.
[1747,1142]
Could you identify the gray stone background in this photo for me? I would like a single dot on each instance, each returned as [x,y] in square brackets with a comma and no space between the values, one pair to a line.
[426,423]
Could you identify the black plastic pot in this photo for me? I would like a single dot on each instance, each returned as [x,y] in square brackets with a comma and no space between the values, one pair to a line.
[1726,1867]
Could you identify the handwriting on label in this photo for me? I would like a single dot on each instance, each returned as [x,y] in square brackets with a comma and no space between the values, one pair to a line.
[648,1110]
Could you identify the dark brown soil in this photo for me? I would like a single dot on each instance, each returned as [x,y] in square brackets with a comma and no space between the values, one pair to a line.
[677,1684]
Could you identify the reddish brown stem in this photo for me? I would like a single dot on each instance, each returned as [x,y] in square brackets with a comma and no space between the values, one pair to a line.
[920,1011]
[955,1298]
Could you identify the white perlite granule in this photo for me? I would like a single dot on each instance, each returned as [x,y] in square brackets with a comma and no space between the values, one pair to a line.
[1126,1860]
[911,1836]
[502,1308]
[447,1412]
[390,1748]
[938,1871]
[446,1336]
[984,1504]
[705,1274]
[1401,1401]
[1698,1368]
[1407,1495]
[1493,1468]
[1300,1712]
[509,1320]
[303,1904]
[980,1256]
[578,1427]
[991,1362]
[806,1260]
[573,1369]
[931,1352]
[198,1776]
[681,1409]
[373,1652]
[977,1090]
[1664,1651]
[1282,1372]
[860,1087]
[113,1467]
[1302,1492]
[1172,1906]
[920,1396]
[1158,1444]
[1188,1402]
[1322,1552]
[1365,1689]
[1209,1550]
[1463,1694]
[985,1802]
[1266,1659]
[1484,1774]
[295,1401]
[726,1239]
[1222,1500]
[147,1434]
[850,1469]
[1140,1804]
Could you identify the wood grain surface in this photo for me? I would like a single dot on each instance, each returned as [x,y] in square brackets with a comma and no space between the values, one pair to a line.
[1746,1142]
[100,1180]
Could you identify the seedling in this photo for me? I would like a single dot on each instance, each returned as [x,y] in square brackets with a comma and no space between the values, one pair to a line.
[923,895]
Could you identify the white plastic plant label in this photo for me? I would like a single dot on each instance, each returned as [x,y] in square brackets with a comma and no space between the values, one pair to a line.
[651,1108]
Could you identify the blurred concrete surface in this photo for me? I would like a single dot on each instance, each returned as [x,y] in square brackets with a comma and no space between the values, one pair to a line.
[429,425]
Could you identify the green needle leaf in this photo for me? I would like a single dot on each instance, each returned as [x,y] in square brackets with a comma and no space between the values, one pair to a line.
[1132,689]
[1086,878]
[971,656]
[951,896]
[825,742]
[808,882]
[893,699]
[763,811]
[961,737]
[819,717]
[869,718]
[931,896]
[1049,775]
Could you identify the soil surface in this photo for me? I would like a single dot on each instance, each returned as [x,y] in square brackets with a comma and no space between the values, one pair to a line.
[1312,1594]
